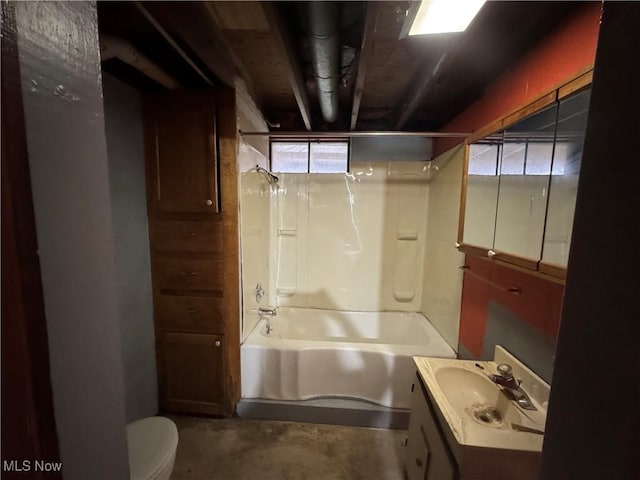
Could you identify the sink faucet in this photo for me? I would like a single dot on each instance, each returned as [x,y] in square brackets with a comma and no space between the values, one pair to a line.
[507,381]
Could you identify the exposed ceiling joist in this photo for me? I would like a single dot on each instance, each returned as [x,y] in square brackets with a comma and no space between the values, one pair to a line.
[213,8]
[425,78]
[284,41]
[194,26]
[366,51]
[172,42]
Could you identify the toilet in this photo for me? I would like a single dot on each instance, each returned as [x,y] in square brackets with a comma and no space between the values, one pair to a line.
[152,448]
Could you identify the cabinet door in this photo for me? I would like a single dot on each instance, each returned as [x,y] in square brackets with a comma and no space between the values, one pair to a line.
[481,196]
[417,447]
[192,373]
[567,158]
[525,171]
[181,153]
[428,456]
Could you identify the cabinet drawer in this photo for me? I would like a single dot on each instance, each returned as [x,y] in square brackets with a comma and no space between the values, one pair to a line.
[175,275]
[189,314]
[187,236]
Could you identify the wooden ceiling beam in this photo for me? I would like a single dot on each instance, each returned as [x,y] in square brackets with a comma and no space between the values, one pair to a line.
[366,53]
[212,9]
[197,25]
[190,22]
[170,40]
[284,42]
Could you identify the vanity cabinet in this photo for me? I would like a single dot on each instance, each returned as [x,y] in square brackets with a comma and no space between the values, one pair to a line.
[428,456]
[192,214]
[436,451]
[521,183]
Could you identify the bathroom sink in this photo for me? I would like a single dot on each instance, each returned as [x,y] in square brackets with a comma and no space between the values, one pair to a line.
[473,395]
[477,411]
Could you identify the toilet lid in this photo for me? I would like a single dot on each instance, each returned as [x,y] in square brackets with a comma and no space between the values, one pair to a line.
[152,442]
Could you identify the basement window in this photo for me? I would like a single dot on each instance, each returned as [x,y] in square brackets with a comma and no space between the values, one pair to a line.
[310,156]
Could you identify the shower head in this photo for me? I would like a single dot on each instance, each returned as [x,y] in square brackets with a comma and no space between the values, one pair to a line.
[273,179]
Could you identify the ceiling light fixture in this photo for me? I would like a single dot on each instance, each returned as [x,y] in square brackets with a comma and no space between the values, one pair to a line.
[444,16]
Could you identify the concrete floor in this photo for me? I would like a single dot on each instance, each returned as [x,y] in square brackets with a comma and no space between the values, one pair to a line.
[238,448]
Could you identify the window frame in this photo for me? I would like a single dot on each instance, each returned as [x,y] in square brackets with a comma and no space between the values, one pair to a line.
[308,142]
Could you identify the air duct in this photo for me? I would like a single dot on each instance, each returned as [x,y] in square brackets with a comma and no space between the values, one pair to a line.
[114,47]
[325,54]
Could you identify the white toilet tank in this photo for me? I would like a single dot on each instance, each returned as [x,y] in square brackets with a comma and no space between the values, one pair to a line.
[152,448]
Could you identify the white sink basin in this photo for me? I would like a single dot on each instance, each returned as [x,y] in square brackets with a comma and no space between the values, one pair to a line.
[474,395]
[476,410]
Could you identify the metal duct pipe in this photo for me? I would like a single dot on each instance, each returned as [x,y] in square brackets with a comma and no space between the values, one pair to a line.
[111,47]
[325,53]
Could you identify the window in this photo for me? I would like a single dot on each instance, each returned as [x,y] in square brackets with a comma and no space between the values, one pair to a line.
[310,156]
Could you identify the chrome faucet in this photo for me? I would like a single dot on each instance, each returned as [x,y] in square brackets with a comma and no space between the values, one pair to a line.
[510,385]
[267,312]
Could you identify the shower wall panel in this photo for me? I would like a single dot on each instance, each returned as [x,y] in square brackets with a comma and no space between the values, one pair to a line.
[352,241]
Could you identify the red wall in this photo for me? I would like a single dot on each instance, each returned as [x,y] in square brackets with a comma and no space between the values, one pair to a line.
[564,53]
[536,301]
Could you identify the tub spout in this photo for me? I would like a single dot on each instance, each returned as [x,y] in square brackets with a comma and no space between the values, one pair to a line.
[271,312]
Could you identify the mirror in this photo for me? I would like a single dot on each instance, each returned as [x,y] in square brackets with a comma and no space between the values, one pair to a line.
[525,169]
[482,192]
[572,123]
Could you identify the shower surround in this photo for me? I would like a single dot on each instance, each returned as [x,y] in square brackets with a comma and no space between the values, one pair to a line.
[342,257]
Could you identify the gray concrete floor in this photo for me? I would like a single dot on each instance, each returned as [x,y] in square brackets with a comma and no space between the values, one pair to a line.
[237,448]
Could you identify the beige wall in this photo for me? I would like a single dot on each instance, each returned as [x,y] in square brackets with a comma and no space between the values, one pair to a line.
[255,206]
[442,286]
[249,119]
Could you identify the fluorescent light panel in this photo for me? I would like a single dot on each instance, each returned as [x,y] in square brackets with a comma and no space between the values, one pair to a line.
[444,16]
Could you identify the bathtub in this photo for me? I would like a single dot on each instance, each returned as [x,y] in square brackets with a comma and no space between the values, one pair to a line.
[313,353]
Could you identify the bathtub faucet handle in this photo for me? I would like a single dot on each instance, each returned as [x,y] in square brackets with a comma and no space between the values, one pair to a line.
[259,292]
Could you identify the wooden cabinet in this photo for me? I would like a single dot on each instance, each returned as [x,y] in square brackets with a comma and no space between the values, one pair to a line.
[193,210]
[521,182]
[428,455]
[515,309]
[184,313]
[194,236]
[192,373]
[180,132]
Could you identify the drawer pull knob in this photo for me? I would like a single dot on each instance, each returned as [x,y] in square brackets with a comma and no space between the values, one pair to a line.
[192,234]
[191,274]
[514,290]
[191,310]
[217,343]
[209,202]
[464,267]
[418,462]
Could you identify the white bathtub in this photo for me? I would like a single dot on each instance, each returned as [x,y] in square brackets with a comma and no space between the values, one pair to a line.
[326,353]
